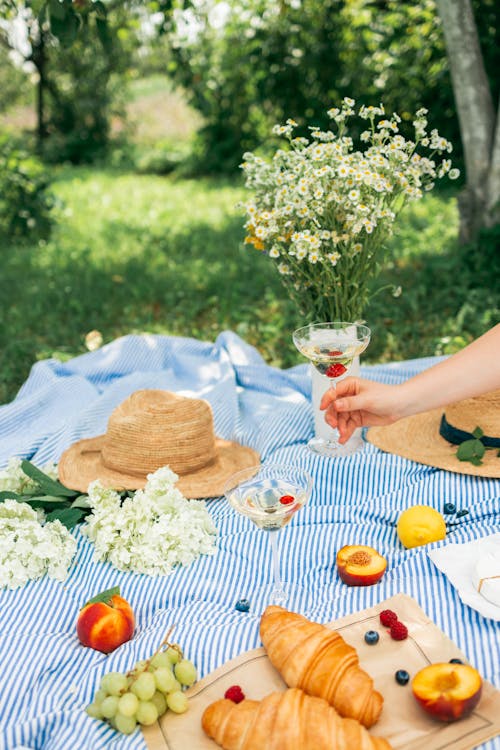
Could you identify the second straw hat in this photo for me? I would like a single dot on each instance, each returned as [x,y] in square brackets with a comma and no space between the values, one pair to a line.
[151,429]
[433,437]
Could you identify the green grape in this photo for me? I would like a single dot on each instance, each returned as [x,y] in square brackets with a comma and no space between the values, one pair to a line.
[141,666]
[100,695]
[160,702]
[165,680]
[109,706]
[117,683]
[94,710]
[105,681]
[127,704]
[147,713]
[125,724]
[161,659]
[173,654]
[185,671]
[177,702]
[144,687]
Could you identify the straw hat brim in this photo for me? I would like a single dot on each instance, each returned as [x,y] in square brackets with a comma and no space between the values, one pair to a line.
[418,439]
[82,463]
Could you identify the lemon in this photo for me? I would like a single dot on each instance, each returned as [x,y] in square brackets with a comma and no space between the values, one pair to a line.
[420,525]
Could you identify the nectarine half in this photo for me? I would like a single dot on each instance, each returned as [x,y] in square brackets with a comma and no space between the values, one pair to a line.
[359,565]
[447,691]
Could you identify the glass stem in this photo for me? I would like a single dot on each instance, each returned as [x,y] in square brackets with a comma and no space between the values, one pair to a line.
[334,440]
[278,594]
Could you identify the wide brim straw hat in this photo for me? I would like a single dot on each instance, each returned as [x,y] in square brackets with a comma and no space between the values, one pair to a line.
[151,429]
[433,437]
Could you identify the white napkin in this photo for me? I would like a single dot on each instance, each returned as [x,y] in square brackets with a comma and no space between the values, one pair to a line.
[457,562]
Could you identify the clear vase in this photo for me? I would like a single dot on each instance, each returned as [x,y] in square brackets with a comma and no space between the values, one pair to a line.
[324,440]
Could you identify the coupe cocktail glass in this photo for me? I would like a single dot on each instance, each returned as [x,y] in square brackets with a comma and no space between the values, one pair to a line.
[270,496]
[331,348]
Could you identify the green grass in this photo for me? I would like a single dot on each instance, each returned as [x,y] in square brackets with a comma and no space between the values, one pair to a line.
[136,253]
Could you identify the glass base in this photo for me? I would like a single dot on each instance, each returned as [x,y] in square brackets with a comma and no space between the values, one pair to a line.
[333,449]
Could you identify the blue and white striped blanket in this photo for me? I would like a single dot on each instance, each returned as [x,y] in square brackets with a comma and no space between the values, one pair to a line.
[47,677]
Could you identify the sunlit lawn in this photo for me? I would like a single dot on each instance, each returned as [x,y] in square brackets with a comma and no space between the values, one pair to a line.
[136,253]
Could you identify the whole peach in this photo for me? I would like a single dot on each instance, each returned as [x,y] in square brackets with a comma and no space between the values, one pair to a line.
[104,626]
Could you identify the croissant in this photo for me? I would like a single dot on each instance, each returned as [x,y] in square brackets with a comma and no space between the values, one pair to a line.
[316,659]
[290,720]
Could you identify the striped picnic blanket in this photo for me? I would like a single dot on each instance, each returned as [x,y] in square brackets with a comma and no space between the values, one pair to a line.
[47,677]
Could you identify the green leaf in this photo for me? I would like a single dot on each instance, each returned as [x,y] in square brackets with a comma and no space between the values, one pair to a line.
[69,517]
[104,596]
[478,433]
[47,485]
[82,501]
[471,450]
[6,495]
[47,502]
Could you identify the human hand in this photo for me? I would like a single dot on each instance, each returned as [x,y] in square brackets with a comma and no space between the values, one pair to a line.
[356,402]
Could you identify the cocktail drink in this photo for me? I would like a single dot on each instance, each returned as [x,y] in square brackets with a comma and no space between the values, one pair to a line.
[331,349]
[270,496]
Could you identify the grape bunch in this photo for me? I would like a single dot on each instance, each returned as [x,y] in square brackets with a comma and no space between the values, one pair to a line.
[146,692]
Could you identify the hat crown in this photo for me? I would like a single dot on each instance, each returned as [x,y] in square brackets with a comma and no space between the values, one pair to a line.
[154,428]
[481,411]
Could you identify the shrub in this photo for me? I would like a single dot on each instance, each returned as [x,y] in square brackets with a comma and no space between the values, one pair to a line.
[26,203]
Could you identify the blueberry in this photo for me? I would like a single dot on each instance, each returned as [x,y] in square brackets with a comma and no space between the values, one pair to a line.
[402,677]
[449,508]
[462,513]
[456,661]
[371,637]
[243,605]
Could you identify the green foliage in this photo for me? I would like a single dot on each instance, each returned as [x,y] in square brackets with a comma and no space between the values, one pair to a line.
[269,62]
[59,503]
[163,255]
[14,86]
[26,203]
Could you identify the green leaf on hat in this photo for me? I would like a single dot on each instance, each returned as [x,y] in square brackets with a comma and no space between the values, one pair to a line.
[471,450]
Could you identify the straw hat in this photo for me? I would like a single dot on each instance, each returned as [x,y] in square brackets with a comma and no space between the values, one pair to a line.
[433,436]
[150,429]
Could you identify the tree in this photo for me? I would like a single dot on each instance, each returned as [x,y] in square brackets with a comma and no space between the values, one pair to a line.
[479,203]
[48,24]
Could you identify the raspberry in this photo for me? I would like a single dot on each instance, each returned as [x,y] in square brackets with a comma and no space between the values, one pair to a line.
[336,370]
[388,617]
[399,631]
[286,499]
[235,694]
[335,353]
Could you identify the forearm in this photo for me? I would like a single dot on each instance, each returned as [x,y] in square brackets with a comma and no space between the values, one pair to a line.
[470,372]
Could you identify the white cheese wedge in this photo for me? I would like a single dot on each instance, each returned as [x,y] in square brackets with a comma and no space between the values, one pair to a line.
[486,576]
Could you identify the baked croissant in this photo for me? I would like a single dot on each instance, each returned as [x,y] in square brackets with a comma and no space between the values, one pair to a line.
[290,720]
[316,659]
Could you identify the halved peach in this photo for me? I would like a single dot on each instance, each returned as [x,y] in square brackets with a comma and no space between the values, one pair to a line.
[359,565]
[447,691]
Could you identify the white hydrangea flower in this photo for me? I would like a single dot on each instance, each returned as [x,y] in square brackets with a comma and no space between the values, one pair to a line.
[28,549]
[152,532]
